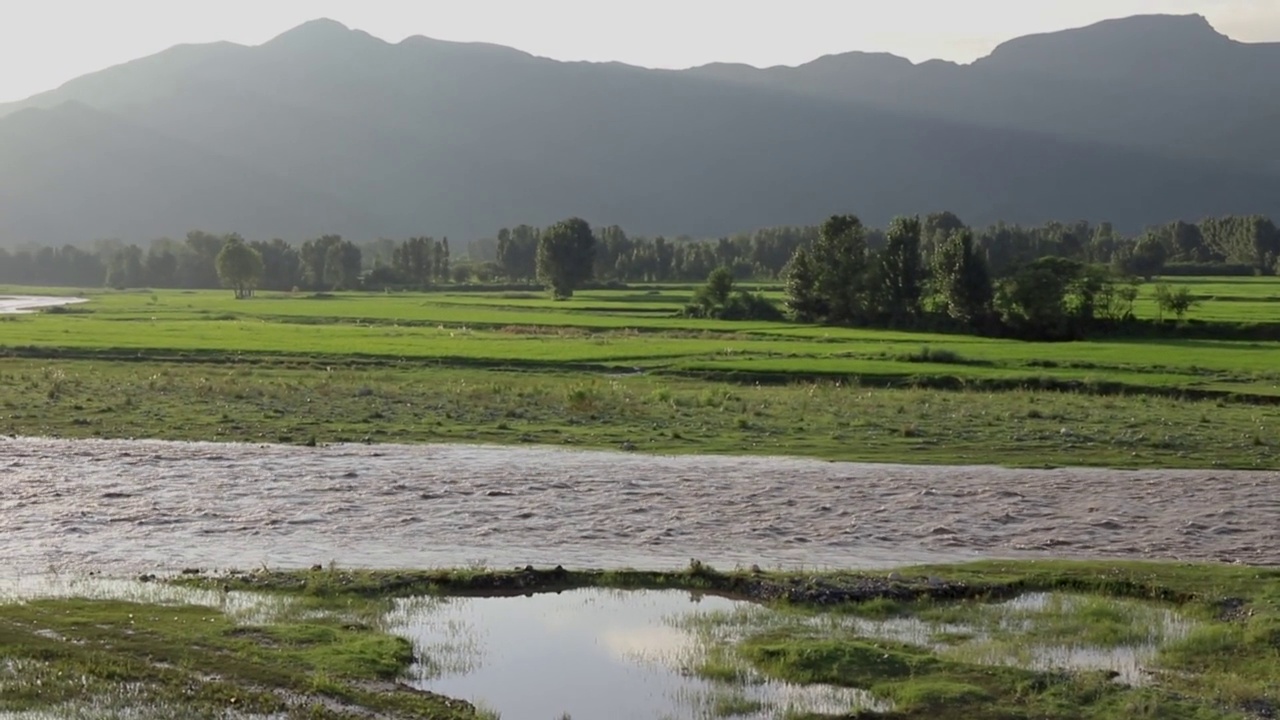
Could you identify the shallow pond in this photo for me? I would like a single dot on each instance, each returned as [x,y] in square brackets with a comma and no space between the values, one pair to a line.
[593,654]
[665,654]
[637,654]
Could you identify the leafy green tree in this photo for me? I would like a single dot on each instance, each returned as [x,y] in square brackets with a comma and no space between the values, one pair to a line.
[840,265]
[1177,301]
[960,279]
[1033,301]
[517,253]
[161,266]
[239,267]
[281,264]
[718,299]
[200,268]
[1146,259]
[803,301]
[413,261]
[315,256]
[442,261]
[126,268]
[566,256]
[460,273]
[719,286]
[342,265]
[900,272]
[1115,299]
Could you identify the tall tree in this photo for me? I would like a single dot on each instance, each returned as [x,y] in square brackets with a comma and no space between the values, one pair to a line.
[518,252]
[412,261]
[281,264]
[566,255]
[239,267]
[342,265]
[442,262]
[803,300]
[125,269]
[961,280]
[840,262]
[161,266]
[901,272]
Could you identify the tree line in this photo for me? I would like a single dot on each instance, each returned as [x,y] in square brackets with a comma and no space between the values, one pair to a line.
[1228,245]
[948,283]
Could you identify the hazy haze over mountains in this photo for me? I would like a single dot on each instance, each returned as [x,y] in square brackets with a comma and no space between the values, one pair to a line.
[326,129]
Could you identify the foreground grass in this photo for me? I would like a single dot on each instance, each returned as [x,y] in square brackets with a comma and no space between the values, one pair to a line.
[277,403]
[116,658]
[323,654]
[1227,666]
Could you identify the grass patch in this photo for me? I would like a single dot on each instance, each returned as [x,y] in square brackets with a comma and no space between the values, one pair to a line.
[298,401]
[63,652]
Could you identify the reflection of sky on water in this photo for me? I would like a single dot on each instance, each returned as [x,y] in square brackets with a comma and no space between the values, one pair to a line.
[586,653]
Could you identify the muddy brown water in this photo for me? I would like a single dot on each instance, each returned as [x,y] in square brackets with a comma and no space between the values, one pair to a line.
[122,507]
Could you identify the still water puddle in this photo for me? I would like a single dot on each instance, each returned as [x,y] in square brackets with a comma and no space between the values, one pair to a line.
[1035,631]
[633,654]
[591,653]
[647,654]
[1057,631]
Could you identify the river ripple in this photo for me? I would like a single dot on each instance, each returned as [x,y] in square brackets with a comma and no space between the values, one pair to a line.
[123,507]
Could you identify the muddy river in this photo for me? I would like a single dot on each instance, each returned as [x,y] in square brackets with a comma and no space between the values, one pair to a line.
[123,507]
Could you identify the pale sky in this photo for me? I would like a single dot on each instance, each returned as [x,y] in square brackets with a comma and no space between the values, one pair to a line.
[44,43]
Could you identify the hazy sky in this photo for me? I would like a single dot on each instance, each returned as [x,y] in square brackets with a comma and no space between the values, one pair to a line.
[44,43]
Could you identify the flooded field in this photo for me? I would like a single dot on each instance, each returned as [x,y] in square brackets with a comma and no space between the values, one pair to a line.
[628,653]
[644,654]
[594,653]
[122,507]
[14,304]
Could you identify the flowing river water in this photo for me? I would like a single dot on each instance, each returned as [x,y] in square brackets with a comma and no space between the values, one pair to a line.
[123,507]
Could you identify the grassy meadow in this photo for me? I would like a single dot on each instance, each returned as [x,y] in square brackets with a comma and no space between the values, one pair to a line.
[622,368]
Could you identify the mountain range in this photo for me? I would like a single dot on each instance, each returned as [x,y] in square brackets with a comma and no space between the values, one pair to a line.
[325,129]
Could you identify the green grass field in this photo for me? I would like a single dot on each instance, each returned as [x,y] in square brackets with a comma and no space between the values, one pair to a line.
[132,363]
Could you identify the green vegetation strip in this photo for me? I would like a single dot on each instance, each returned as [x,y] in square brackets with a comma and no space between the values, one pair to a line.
[108,658]
[310,404]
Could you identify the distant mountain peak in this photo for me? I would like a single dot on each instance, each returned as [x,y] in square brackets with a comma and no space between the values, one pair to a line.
[320,30]
[1137,44]
[1138,29]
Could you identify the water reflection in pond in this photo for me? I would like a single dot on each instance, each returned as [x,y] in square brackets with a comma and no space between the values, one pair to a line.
[590,654]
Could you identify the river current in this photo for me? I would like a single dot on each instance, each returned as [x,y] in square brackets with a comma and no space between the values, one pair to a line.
[124,507]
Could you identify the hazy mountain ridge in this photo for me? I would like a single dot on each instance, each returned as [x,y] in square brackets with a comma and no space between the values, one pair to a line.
[329,129]
[1168,83]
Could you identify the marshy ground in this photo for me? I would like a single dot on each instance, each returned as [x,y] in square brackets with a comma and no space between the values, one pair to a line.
[986,640]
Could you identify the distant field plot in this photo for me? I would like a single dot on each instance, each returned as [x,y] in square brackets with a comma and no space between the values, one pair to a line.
[561,368]
[619,329]
[1236,300]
